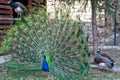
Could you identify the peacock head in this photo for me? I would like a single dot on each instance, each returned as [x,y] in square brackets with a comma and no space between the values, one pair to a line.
[43,54]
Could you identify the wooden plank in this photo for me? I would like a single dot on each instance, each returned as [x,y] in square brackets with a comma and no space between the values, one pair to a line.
[4,0]
[10,19]
[29,5]
[5,22]
[6,12]
[5,26]
[5,7]
[6,16]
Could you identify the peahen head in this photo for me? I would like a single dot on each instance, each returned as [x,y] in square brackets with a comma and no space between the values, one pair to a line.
[98,51]
[97,54]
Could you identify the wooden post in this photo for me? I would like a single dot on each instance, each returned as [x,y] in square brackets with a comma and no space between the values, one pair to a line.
[94,27]
[43,2]
[29,5]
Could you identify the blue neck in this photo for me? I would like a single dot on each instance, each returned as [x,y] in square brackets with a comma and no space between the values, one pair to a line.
[97,54]
[45,66]
[13,5]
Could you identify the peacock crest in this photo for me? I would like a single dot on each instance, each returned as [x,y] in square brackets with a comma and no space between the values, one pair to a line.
[62,41]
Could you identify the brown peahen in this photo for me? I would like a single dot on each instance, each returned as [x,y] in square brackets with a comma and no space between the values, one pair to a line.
[57,46]
[103,60]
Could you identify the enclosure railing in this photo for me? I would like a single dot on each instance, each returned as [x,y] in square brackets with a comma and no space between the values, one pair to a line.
[10,19]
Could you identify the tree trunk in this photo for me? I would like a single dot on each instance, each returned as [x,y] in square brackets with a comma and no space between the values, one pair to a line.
[94,26]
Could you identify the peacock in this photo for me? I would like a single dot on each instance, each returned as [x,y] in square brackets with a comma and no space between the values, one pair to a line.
[57,46]
[103,60]
[18,7]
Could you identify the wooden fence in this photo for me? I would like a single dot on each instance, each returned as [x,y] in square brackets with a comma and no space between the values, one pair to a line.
[5,12]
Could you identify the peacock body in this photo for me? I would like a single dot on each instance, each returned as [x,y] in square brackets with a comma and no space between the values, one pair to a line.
[61,40]
[18,7]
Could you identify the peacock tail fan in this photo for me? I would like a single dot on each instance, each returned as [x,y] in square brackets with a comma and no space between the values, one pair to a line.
[62,40]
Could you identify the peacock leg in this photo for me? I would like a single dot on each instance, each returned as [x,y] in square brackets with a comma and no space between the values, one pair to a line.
[20,16]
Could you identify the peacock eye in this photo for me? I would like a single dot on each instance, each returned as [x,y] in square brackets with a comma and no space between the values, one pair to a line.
[27,39]
[37,16]
[44,34]
[56,17]
[55,26]
[34,38]
[16,33]
[67,24]
[48,14]
[31,31]
[25,30]
[25,44]
[22,26]
[28,18]
[48,21]
[21,39]
[30,24]
[61,23]
[19,46]
[39,32]
[36,24]
[63,16]
[43,26]
[15,39]
[38,44]
[43,19]
[32,43]
[41,39]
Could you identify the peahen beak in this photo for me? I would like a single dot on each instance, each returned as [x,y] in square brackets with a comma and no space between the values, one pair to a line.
[8,2]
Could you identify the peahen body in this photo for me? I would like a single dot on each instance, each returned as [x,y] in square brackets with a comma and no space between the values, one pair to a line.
[103,60]
[60,42]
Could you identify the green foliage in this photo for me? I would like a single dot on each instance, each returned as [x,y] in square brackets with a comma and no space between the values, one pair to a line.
[62,40]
